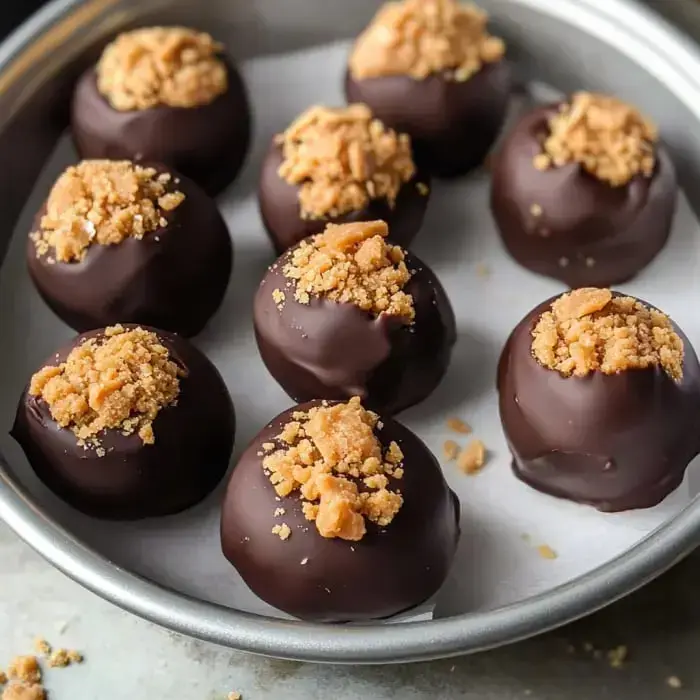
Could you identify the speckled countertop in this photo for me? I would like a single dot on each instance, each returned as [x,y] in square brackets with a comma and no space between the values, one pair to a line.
[129,659]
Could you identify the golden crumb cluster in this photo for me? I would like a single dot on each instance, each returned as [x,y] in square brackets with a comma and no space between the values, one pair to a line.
[590,329]
[609,138]
[351,263]
[343,158]
[24,677]
[103,202]
[422,37]
[172,66]
[120,381]
[332,458]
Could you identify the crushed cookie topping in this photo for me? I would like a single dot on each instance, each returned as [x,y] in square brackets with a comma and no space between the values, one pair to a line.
[421,37]
[610,139]
[103,202]
[332,458]
[352,263]
[591,330]
[171,66]
[119,381]
[341,159]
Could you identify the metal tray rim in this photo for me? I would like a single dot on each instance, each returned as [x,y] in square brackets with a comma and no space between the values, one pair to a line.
[651,42]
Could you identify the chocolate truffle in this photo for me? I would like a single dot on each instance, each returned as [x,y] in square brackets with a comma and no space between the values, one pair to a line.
[169,95]
[583,191]
[346,314]
[339,166]
[431,69]
[334,515]
[118,242]
[599,397]
[127,422]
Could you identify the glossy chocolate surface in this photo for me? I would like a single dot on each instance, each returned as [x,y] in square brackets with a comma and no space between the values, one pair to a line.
[589,233]
[280,209]
[173,278]
[616,442]
[208,143]
[388,571]
[452,124]
[190,455]
[335,351]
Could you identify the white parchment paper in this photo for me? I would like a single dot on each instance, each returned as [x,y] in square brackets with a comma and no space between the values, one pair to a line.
[503,520]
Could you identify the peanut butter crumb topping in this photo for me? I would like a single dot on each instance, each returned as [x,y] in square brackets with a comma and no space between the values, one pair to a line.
[422,37]
[24,691]
[172,66]
[103,202]
[610,139]
[590,329]
[119,381]
[343,158]
[331,457]
[25,669]
[352,263]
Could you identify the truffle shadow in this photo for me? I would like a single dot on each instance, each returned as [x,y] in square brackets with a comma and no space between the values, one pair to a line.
[470,375]
[233,318]
[449,230]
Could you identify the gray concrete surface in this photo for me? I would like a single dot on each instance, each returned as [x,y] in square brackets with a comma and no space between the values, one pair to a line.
[129,659]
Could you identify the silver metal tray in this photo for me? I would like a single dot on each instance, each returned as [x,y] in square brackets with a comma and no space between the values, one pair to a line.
[615,46]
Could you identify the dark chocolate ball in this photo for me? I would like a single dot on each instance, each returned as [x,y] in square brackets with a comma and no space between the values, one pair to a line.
[330,350]
[208,143]
[389,570]
[452,124]
[565,223]
[614,441]
[281,212]
[173,278]
[133,480]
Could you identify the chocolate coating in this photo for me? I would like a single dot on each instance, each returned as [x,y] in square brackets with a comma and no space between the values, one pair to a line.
[329,350]
[614,441]
[388,571]
[605,234]
[208,143]
[452,124]
[190,455]
[280,209]
[174,278]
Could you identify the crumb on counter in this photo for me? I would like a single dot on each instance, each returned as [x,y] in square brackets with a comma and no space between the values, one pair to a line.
[25,669]
[482,270]
[674,682]
[24,691]
[457,425]
[546,552]
[450,450]
[472,458]
[42,647]
[617,656]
